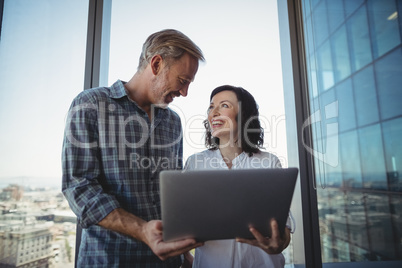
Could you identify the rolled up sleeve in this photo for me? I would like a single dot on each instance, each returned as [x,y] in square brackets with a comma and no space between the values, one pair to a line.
[82,166]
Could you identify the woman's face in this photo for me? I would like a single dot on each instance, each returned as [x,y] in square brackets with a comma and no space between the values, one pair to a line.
[222,114]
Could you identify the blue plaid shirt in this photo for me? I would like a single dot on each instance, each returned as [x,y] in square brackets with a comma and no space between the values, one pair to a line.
[112,156]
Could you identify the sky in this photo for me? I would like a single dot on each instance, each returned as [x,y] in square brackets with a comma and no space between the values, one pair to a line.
[42,58]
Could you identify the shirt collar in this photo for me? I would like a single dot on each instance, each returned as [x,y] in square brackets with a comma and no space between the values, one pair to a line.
[238,162]
[117,90]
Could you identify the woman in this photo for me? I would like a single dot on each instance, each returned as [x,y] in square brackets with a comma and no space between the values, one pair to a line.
[234,137]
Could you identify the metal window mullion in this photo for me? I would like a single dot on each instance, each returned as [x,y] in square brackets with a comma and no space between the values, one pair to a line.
[1,15]
[309,196]
[98,43]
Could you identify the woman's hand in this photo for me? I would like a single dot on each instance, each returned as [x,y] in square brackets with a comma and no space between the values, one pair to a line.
[271,245]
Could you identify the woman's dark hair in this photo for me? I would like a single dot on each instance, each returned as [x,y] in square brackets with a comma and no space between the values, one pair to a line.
[251,135]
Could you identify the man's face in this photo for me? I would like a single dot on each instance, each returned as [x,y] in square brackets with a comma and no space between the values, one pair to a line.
[173,81]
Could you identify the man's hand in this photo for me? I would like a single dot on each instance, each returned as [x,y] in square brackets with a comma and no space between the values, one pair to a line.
[271,245]
[152,233]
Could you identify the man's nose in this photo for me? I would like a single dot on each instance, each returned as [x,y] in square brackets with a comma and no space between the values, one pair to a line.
[184,91]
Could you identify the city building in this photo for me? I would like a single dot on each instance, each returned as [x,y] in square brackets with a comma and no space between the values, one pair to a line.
[25,244]
[35,234]
[14,192]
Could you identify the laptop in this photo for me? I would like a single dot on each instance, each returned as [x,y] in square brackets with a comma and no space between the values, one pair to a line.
[222,204]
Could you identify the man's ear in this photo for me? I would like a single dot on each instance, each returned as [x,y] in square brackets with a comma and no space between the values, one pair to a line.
[156,64]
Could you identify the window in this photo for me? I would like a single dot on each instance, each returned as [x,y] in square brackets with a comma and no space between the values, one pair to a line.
[355,49]
[240,41]
[232,35]
[42,56]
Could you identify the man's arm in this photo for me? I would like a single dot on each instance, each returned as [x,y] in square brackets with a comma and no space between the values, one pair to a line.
[82,165]
[150,233]
[86,196]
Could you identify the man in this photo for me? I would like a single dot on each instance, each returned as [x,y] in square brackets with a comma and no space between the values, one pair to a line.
[117,140]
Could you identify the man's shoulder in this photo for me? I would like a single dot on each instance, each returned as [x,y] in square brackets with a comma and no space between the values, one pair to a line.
[93,94]
[96,94]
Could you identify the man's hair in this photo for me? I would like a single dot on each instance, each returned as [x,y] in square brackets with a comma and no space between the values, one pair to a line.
[251,133]
[170,45]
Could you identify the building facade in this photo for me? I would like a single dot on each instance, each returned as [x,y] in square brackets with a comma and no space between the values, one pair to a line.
[24,245]
[347,70]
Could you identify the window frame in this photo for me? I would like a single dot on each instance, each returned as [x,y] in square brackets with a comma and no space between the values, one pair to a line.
[1,15]
[297,111]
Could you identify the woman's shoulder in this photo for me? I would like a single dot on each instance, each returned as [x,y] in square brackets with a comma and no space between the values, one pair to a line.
[204,154]
[267,160]
[263,154]
[193,161]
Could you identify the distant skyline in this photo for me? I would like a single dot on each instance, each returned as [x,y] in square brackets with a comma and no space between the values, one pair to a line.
[28,181]
[42,57]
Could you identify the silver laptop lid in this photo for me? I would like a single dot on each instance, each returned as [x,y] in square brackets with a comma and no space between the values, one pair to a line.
[222,204]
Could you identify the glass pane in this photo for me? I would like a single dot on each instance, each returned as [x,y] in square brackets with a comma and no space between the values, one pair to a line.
[365,97]
[396,212]
[393,153]
[381,233]
[346,103]
[330,220]
[360,195]
[384,25]
[399,17]
[341,54]
[320,22]
[308,34]
[336,14]
[359,39]
[42,57]
[357,238]
[326,73]
[350,159]
[370,140]
[352,5]
[388,73]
